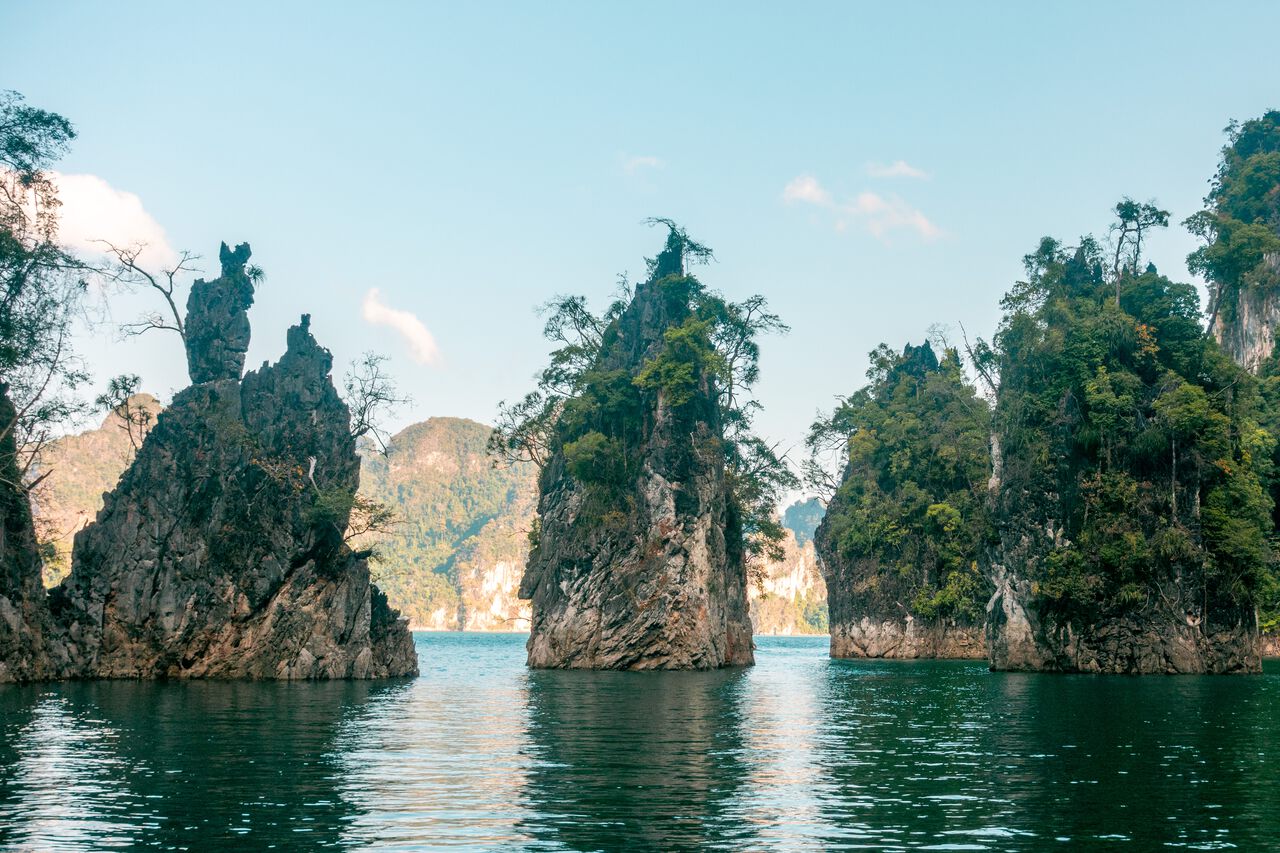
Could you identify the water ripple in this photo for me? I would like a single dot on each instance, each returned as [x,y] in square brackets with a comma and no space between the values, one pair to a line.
[798,753]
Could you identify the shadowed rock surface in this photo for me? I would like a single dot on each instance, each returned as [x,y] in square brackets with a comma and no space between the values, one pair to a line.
[217,325]
[657,581]
[221,551]
[1159,639]
[1170,634]
[24,618]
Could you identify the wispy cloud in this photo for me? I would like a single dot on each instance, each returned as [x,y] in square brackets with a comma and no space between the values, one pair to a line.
[896,169]
[806,189]
[93,210]
[422,344]
[876,213]
[633,164]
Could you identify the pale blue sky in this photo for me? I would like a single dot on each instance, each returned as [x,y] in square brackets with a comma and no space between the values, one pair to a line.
[471,160]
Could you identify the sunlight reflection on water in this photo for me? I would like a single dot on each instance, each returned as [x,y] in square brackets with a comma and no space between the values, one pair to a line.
[799,753]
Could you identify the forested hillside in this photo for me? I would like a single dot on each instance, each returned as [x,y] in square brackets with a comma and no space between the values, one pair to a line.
[453,557]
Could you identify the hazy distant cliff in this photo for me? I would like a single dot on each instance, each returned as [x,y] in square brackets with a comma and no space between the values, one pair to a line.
[790,596]
[453,560]
[80,469]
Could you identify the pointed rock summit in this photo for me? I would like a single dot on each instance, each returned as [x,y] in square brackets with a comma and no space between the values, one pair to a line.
[638,562]
[217,325]
[221,551]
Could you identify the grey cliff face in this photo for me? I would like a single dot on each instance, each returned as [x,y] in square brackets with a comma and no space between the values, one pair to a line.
[660,582]
[1247,330]
[221,552]
[217,325]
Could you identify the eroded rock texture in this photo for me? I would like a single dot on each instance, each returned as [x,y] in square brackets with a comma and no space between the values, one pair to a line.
[217,325]
[868,617]
[907,638]
[1246,329]
[24,617]
[657,581]
[220,553]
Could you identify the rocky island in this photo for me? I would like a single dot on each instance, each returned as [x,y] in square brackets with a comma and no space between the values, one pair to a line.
[221,551]
[643,538]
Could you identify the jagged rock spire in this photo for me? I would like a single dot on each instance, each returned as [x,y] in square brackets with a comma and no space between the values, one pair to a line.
[217,327]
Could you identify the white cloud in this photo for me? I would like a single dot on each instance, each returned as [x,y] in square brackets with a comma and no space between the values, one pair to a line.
[94,210]
[876,213]
[896,169]
[806,189]
[422,344]
[631,165]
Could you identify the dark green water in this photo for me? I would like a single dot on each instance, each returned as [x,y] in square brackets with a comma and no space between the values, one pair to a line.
[798,753]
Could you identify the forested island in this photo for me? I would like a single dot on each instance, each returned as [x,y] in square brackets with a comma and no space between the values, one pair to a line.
[654,495]
[1091,489]
[1101,496]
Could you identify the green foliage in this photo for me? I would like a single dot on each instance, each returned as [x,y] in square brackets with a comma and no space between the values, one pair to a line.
[1125,426]
[452,507]
[686,359]
[1240,224]
[813,612]
[40,286]
[595,458]
[908,516]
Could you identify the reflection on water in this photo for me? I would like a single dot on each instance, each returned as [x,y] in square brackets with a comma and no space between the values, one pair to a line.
[655,758]
[174,765]
[797,753]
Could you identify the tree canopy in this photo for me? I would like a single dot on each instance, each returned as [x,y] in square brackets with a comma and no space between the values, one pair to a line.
[905,526]
[40,285]
[1124,423]
[1240,224]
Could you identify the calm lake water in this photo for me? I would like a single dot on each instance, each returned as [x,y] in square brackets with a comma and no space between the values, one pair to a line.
[799,753]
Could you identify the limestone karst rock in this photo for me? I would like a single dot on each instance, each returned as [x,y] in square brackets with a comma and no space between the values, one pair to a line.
[789,596]
[455,560]
[1121,543]
[77,470]
[1160,638]
[221,551]
[651,577]
[217,325]
[1248,331]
